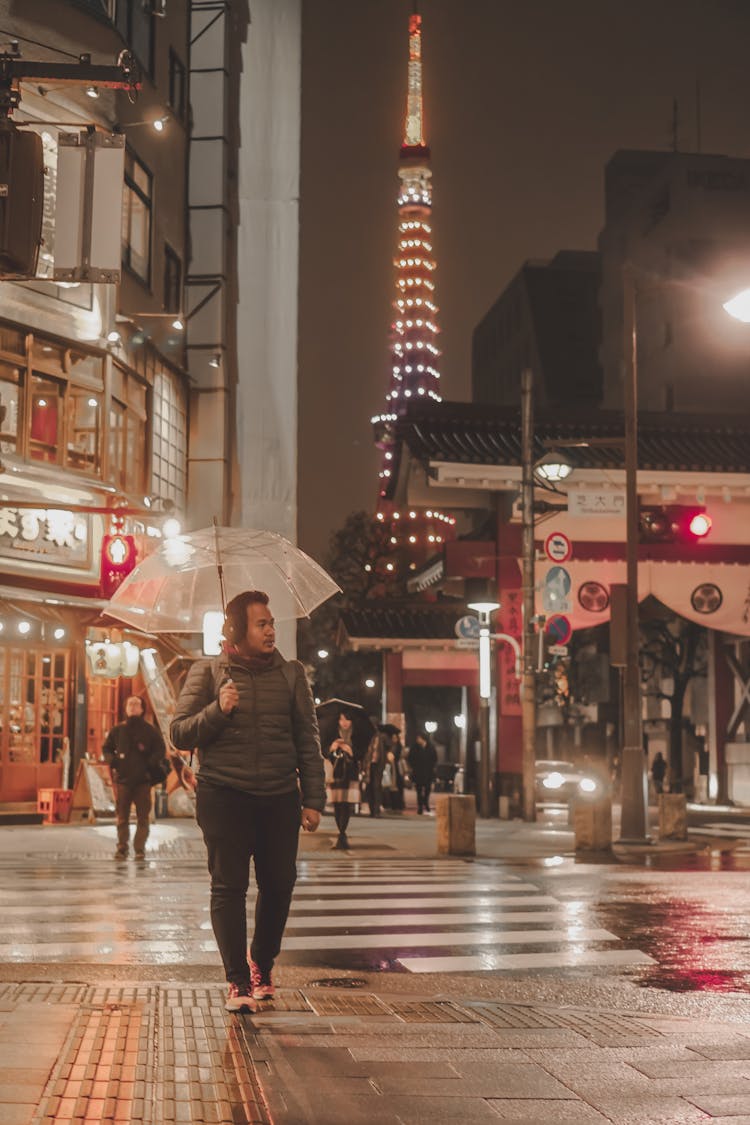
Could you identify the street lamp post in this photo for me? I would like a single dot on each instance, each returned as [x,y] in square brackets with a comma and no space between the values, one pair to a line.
[528,696]
[634,794]
[484,610]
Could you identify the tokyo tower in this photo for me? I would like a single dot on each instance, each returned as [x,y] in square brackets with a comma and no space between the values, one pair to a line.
[414,535]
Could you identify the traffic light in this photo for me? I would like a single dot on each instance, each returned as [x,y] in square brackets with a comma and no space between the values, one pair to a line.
[118,559]
[673,523]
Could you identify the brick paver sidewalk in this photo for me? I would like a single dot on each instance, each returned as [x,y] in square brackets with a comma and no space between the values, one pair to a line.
[163,1053]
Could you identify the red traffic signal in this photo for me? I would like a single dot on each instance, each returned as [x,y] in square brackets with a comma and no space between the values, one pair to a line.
[700,525]
[118,559]
[673,523]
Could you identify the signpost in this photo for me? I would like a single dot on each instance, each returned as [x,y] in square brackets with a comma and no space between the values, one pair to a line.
[557,547]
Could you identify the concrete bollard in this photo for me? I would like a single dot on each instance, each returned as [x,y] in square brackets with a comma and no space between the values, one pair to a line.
[672,816]
[456,824]
[592,825]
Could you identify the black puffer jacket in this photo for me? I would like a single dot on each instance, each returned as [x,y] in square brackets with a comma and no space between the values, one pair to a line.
[134,752]
[269,741]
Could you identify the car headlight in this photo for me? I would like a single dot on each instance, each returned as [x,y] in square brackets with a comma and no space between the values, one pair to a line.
[587,785]
[553,781]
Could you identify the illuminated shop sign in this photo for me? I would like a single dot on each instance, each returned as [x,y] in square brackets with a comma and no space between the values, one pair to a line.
[45,535]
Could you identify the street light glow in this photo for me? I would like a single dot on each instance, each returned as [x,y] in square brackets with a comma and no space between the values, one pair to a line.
[739,306]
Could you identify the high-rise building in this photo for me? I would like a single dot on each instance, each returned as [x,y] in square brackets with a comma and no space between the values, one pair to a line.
[414,535]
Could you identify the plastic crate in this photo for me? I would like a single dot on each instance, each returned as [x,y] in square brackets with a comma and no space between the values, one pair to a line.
[54,805]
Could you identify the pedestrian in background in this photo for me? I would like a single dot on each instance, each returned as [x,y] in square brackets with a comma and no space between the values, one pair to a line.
[394,768]
[422,762]
[135,753]
[345,748]
[250,714]
[658,771]
[373,773]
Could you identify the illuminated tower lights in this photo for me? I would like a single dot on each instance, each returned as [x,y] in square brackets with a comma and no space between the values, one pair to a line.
[414,330]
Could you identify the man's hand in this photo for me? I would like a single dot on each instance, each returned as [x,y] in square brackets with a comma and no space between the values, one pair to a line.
[229,697]
[187,778]
[310,819]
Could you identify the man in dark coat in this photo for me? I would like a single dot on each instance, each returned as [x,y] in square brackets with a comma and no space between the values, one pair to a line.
[134,752]
[422,762]
[251,715]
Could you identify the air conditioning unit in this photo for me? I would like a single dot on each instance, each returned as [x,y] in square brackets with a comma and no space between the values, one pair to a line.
[21,200]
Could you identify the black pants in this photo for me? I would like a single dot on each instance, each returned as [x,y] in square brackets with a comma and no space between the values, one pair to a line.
[236,826]
[423,796]
[127,795]
[342,810]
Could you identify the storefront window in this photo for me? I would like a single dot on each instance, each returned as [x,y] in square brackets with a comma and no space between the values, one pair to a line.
[136,218]
[102,713]
[10,395]
[33,705]
[83,431]
[45,419]
[169,430]
[126,448]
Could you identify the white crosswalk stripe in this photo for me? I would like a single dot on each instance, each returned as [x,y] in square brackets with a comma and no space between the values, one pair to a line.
[439,916]
[445,912]
[725,831]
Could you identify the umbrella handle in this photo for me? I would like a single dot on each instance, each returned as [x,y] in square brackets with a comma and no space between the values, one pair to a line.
[228,680]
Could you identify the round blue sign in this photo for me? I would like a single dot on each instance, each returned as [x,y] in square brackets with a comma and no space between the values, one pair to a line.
[467,628]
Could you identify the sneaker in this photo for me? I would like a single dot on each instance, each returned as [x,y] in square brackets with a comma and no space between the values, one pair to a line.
[240,999]
[261,984]
[120,854]
[140,855]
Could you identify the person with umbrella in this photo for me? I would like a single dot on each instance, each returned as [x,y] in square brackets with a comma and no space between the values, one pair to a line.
[345,736]
[251,715]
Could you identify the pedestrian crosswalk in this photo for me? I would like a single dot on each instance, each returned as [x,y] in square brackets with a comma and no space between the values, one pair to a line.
[416,916]
[444,916]
[725,830]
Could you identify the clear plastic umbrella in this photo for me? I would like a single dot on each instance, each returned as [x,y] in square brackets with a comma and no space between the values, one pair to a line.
[193,574]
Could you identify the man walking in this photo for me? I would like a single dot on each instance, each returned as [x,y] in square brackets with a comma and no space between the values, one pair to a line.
[251,715]
[422,762]
[134,752]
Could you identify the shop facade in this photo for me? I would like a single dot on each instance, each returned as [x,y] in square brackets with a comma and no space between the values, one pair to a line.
[93,452]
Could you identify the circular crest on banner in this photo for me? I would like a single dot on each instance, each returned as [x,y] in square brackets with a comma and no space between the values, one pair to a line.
[557,547]
[706,598]
[593,597]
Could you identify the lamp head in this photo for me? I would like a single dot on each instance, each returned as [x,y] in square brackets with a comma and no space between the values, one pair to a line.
[553,467]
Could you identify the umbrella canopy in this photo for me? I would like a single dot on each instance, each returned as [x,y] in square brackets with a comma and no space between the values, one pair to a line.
[193,574]
[389,728]
[328,715]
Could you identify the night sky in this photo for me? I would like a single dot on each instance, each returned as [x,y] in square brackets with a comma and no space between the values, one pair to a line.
[525,101]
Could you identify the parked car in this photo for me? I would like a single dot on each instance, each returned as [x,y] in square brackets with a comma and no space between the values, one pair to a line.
[557,783]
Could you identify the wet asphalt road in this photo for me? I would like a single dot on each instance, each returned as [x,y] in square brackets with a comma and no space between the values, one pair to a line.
[674,925]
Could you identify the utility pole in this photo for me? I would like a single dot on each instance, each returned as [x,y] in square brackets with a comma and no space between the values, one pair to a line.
[528,689]
[634,795]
